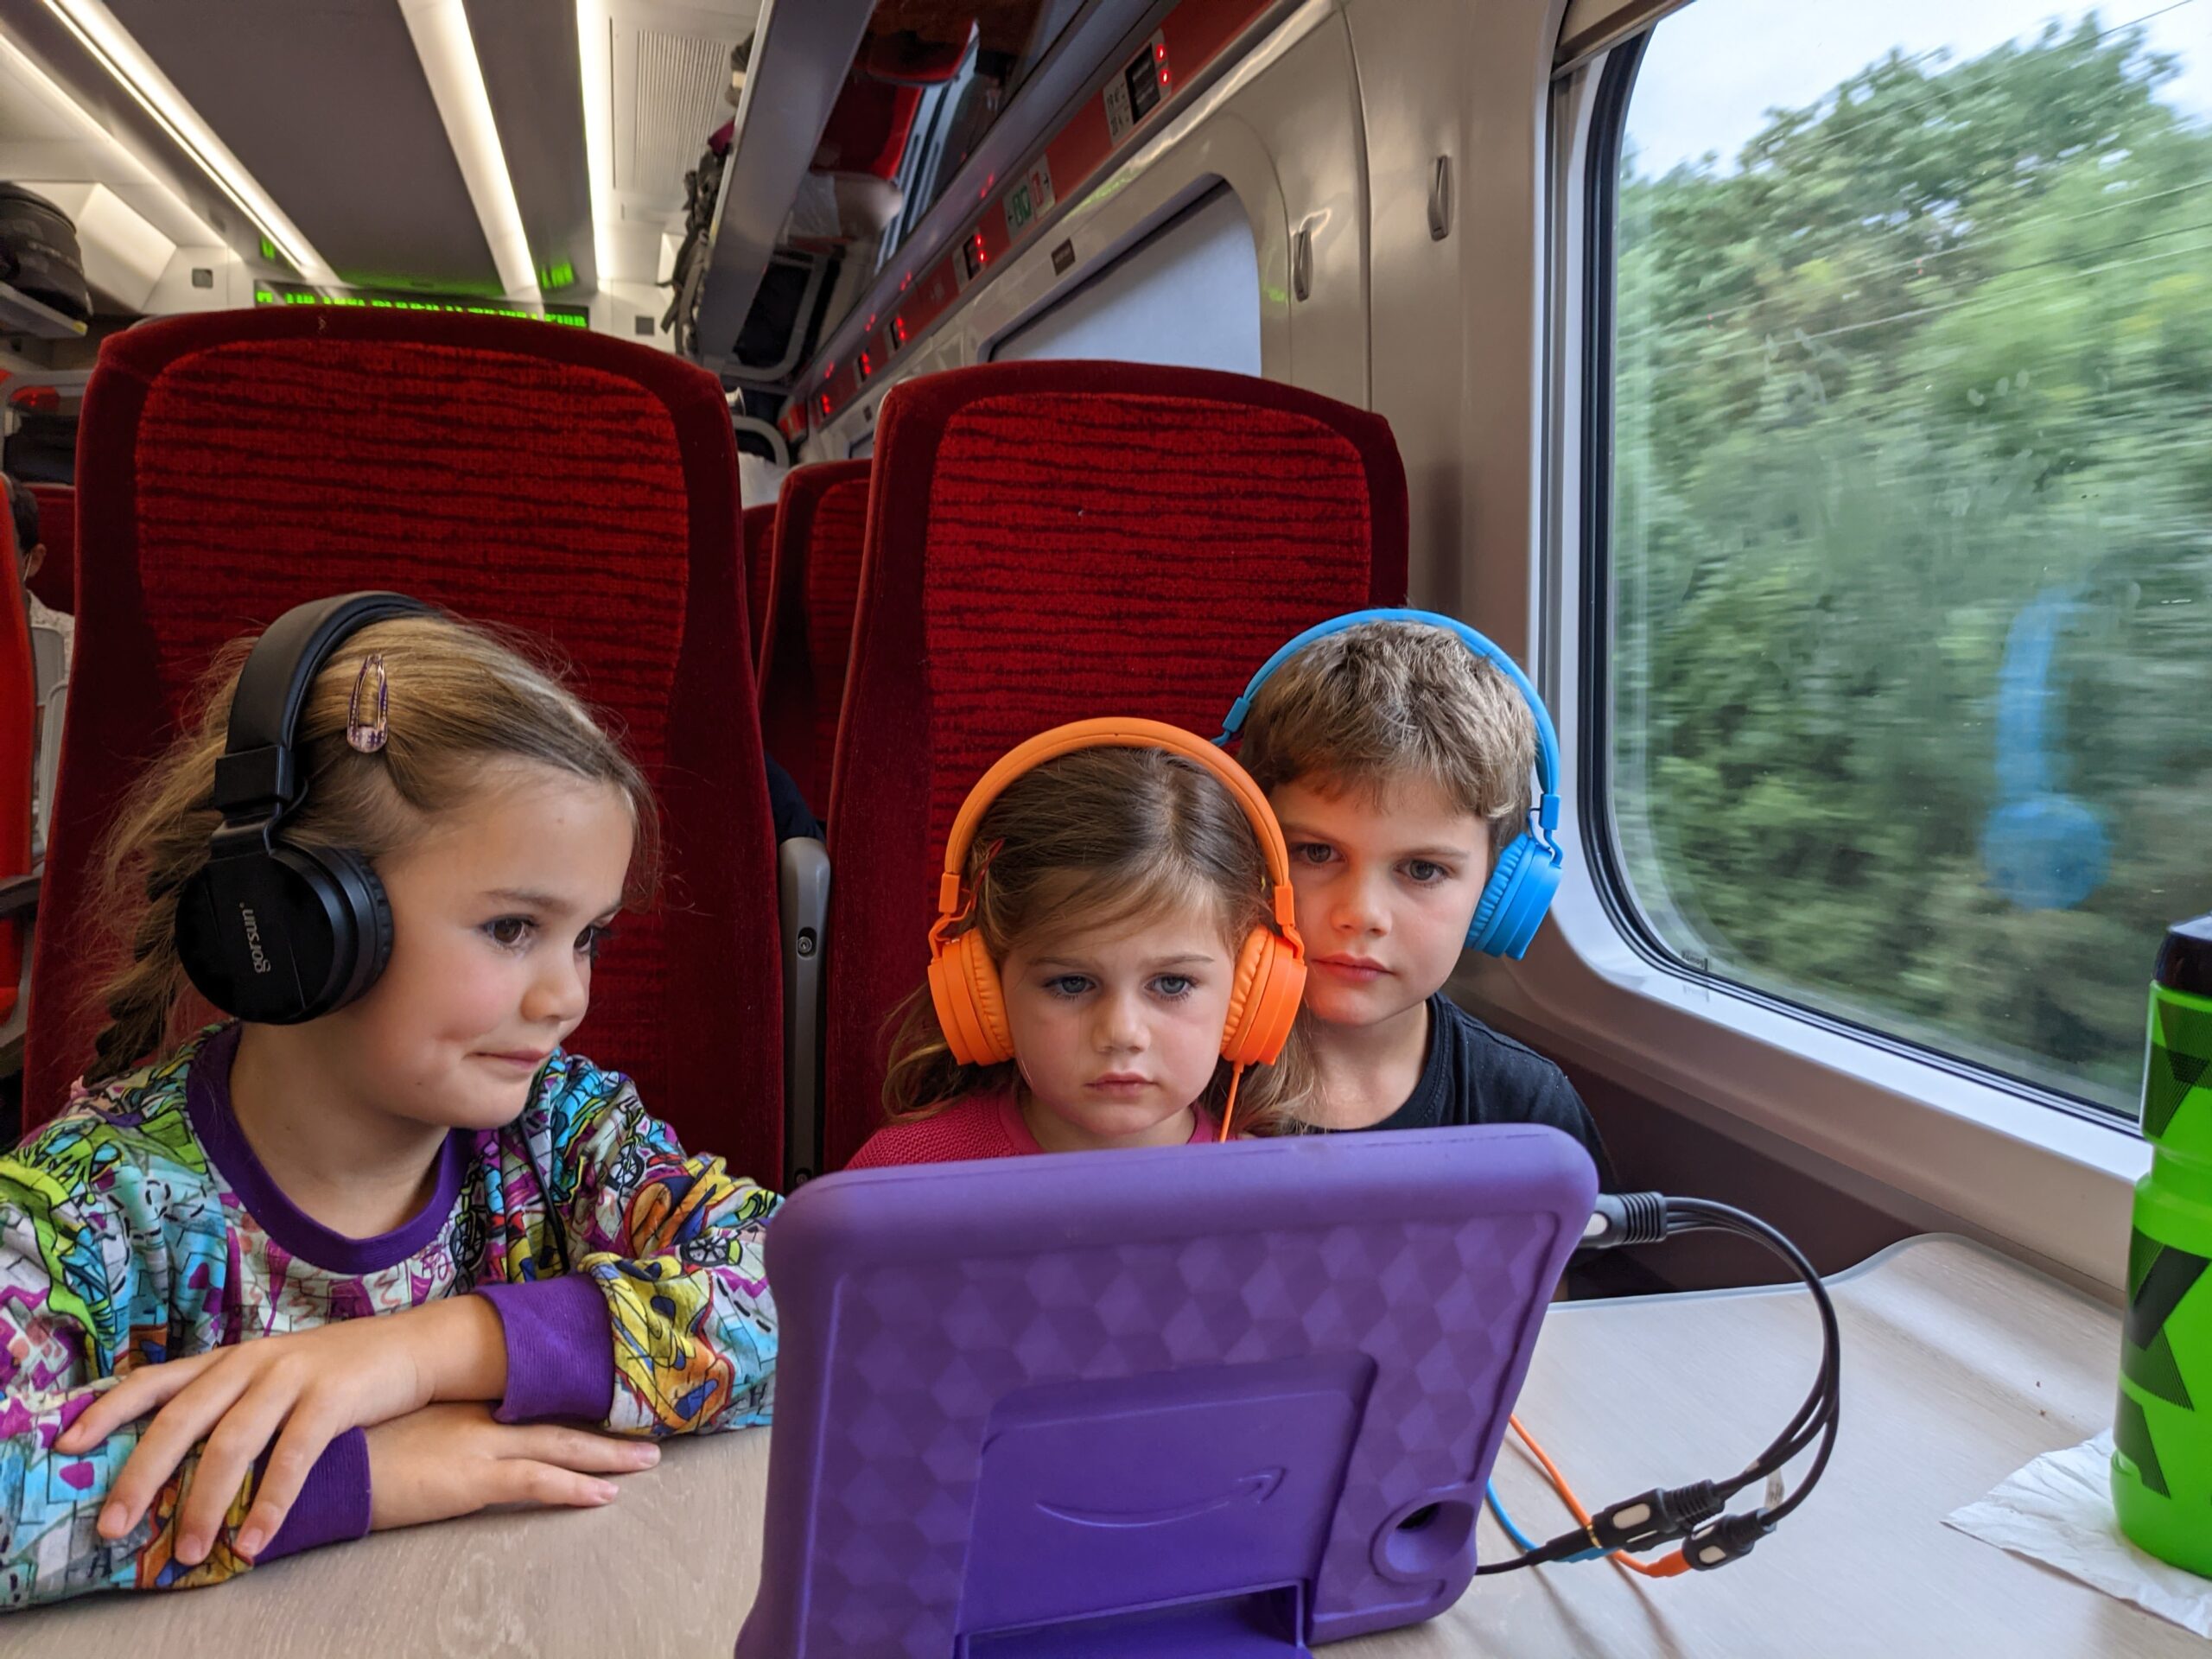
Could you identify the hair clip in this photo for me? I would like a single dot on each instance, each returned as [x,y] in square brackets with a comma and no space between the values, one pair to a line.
[367,732]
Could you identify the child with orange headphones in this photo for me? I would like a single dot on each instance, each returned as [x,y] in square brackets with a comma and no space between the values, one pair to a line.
[1114,945]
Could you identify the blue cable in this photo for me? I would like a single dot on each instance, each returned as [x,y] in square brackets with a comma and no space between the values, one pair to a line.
[1497,1508]
[1521,1538]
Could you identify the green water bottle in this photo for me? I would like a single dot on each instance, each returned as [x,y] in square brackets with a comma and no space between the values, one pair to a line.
[2162,1435]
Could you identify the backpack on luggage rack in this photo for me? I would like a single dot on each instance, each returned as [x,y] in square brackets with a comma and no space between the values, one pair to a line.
[39,254]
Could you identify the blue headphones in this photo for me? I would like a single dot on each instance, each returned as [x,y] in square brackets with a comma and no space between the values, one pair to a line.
[1527,871]
[2045,849]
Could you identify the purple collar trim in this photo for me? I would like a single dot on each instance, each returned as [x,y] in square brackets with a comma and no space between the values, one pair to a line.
[207,1102]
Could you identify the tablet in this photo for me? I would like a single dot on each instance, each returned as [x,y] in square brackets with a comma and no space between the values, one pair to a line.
[1219,1400]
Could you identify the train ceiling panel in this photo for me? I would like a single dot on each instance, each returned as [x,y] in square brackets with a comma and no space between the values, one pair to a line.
[327,106]
[533,78]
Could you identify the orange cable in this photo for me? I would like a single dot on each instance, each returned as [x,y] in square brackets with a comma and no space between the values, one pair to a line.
[1666,1568]
[1229,1106]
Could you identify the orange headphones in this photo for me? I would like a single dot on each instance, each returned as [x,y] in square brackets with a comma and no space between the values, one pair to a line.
[1270,968]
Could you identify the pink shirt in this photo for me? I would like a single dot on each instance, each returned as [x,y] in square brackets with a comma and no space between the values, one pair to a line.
[982,1126]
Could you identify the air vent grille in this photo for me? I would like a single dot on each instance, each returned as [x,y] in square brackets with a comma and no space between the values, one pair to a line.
[679,102]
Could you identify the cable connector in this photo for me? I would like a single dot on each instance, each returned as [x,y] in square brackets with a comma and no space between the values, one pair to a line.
[1656,1517]
[1728,1539]
[1625,1218]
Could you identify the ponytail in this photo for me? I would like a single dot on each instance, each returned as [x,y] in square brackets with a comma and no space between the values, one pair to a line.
[157,843]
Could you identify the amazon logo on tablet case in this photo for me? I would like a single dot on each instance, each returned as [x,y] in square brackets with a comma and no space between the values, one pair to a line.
[1257,1488]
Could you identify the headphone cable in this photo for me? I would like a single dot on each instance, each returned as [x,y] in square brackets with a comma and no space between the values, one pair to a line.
[1697,1515]
[1229,1106]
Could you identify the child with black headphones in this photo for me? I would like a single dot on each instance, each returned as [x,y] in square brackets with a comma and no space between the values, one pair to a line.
[390,848]
[1113,946]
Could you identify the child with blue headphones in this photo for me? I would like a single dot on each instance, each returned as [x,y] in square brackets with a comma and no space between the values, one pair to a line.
[1396,748]
[332,1265]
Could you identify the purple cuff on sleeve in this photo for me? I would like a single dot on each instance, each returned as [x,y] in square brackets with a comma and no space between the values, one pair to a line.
[333,1504]
[560,1349]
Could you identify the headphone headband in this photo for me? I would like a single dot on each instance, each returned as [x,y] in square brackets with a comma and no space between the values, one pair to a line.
[1546,735]
[1117,734]
[255,776]
[1526,873]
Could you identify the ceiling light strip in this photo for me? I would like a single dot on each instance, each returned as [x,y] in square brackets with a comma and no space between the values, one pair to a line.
[96,29]
[595,72]
[448,52]
[200,233]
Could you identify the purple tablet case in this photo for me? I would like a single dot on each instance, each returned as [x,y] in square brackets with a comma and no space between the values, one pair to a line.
[1217,1400]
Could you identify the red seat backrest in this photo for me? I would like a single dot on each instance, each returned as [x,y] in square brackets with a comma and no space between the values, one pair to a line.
[579,487]
[757,538]
[18,723]
[55,584]
[1052,541]
[821,528]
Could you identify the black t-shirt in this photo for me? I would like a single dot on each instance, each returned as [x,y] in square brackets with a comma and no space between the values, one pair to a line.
[788,806]
[1475,1075]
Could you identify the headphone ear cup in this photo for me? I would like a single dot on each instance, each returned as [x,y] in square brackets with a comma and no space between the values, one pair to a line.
[285,936]
[360,893]
[1515,899]
[1263,1000]
[1531,903]
[970,1010]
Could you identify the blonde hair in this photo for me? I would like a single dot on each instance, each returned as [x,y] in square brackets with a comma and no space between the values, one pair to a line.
[1362,710]
[1102,839]
[460,695]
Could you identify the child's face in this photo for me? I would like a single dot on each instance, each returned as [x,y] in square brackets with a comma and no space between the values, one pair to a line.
[1118,1034]
[1386,888]
[495,914]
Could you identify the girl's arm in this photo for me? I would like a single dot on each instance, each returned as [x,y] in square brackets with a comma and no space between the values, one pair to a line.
[69,1271]
[664,1325]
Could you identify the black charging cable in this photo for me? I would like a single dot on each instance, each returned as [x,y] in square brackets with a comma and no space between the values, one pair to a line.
[1697,1514]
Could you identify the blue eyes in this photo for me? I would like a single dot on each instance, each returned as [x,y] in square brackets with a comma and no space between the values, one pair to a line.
[1168,986]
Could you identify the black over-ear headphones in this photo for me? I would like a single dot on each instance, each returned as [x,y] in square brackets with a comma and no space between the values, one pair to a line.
[269,931]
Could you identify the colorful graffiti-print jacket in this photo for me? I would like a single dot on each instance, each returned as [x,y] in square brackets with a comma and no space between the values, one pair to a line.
[139,1227]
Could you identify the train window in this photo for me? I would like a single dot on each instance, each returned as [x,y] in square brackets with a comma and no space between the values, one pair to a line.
[1902,546]
[1188,295]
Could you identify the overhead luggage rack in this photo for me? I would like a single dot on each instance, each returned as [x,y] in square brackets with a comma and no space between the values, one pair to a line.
[19,314]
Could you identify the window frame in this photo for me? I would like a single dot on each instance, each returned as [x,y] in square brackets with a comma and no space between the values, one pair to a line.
[1938,1138]
[1601,204]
